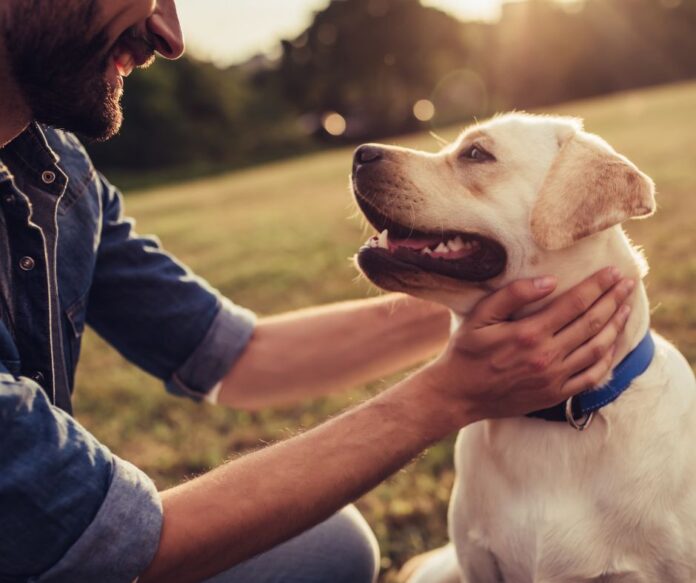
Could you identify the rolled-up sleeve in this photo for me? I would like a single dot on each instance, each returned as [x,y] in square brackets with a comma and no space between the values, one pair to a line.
[71,510]
[157,313]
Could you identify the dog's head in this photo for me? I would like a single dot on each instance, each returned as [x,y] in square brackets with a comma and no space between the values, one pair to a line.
[494,206]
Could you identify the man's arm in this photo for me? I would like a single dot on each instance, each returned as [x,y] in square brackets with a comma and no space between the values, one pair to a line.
[163,318]
[65,500]
[316,351]
[251,504]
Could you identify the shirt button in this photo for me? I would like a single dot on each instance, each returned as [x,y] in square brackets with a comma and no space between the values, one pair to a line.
[9,199]
[38,377]
[27,263]
[48,177]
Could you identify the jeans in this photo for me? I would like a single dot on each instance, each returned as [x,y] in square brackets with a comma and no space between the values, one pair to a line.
[340,550]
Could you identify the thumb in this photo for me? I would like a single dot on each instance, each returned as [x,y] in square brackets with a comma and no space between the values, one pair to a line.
[505,302]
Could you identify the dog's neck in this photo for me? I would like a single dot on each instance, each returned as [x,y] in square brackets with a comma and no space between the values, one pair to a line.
[573,265]
[612,247]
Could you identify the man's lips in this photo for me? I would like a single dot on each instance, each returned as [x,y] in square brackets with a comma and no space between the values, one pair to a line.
[129,54]
[124,62]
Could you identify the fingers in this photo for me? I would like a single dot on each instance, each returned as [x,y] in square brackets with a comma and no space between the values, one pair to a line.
[505,302]
[593,321]
[596,349]
[589,378]
[576,301]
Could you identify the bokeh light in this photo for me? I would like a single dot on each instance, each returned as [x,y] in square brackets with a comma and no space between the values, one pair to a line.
[334,124]
[424,110]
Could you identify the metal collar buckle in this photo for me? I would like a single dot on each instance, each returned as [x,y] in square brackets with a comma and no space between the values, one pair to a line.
[578,424]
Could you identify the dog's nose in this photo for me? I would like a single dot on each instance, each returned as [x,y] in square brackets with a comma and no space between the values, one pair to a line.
[368,154]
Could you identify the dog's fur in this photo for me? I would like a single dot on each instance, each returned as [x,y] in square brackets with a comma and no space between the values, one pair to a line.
[537,501]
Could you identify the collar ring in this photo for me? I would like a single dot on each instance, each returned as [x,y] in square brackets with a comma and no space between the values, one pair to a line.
[581,423]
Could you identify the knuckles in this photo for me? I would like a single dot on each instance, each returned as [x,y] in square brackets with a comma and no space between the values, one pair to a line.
[527,336]
[595,325]
[540,362]
[499,365]
[578,302]
[599,352]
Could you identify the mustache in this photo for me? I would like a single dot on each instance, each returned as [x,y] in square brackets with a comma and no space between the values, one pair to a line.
[142,46]
[134,37]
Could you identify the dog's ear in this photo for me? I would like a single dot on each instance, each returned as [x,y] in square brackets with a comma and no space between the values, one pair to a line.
[589,188]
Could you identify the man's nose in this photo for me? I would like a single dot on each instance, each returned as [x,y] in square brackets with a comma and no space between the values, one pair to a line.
[165,30]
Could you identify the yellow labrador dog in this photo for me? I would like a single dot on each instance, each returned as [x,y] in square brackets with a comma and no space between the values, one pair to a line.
[536,500]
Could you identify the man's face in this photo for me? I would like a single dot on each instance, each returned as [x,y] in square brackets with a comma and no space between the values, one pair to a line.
[69,57]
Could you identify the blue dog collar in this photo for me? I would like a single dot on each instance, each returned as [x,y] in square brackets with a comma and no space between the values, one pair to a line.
[579,410]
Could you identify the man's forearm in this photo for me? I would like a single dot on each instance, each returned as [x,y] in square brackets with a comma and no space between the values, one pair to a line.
[313,352]
[265,498]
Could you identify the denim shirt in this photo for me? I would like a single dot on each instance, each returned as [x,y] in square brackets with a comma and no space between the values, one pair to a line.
[71,510]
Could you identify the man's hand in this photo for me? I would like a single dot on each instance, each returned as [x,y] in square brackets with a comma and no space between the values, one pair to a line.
[494,367]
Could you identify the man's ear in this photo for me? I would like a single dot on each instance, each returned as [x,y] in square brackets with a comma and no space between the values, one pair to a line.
[588,189]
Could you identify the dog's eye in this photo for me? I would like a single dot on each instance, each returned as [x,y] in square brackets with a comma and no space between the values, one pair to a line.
[477,154]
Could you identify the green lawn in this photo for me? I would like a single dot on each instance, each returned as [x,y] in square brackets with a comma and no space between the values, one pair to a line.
[280,236]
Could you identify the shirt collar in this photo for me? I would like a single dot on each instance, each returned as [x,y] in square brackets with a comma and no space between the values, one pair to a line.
[31,146]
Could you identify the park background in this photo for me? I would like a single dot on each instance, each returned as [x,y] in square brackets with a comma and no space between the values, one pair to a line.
[238,158]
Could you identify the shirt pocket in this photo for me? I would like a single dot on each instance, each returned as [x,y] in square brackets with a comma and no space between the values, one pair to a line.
[75,317]
[76,163]
[78,244]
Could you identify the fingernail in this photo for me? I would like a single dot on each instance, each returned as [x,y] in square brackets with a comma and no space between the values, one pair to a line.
[545,283]
[624,312]
[615,274]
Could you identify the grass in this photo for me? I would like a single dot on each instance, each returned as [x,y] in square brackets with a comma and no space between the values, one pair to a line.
[279,237]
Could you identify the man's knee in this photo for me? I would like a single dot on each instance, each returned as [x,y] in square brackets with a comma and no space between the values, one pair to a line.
[342,549]
[357,559]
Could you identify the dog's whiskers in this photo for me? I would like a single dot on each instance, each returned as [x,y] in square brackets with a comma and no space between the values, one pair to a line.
[440,140]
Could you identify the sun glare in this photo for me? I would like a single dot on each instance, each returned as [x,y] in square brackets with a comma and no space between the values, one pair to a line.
[234,31]
[469,9]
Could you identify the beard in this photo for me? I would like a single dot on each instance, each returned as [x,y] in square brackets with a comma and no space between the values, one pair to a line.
[60,72]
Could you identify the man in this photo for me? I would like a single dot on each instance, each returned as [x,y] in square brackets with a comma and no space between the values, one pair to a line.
[74,512]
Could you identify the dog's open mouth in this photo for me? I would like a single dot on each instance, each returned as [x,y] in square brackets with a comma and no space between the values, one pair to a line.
[460,255]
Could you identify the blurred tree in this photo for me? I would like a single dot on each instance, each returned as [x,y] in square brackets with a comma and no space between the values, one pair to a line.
[198,118]
[372,60]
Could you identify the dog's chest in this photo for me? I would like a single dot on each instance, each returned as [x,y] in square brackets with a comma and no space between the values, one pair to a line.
[554,505]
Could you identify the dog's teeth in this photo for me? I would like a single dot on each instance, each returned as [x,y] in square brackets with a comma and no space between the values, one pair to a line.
[456,244]
[383,240]
[372,243]
[442,248]
[426,251]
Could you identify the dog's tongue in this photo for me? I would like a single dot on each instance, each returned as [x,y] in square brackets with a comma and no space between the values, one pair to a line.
[416,243]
